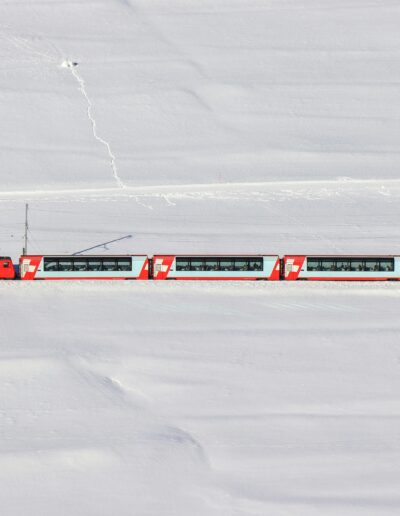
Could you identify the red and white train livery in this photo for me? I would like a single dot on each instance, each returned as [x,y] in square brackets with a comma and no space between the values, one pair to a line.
[7,270]
[95,267]
[203,267]
[340,268]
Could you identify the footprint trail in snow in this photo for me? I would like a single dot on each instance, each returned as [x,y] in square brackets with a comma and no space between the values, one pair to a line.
[82,87]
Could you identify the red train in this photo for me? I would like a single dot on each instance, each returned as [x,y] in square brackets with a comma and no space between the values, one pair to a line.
[6,268]
[202,267]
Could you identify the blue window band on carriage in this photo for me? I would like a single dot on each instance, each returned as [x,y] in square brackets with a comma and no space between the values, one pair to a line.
[82,264]
[219,264]
[354,264]
[261,267]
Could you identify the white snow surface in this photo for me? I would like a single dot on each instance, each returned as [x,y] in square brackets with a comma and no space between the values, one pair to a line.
[213,126]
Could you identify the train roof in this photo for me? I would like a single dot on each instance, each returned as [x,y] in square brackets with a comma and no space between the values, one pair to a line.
[320,255]
[55,255]
[215,255]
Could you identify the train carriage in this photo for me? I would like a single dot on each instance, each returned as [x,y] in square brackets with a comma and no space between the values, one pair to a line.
[343,268]
[6,268]
[95,267]
[202,267]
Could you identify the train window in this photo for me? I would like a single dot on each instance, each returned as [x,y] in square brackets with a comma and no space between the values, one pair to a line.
[241,264]
[50,265]
[109,264]
[226,264]
[371,264]
[313,264]
[94,264]
[327,264]
[124,264]
[386,264]
[342,264]
[182,264]
[196,264]
[356,264]
[255,264]
[80,264]
[65,264]
[211,264]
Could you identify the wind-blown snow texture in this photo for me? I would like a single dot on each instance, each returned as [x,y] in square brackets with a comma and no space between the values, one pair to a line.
[214,126]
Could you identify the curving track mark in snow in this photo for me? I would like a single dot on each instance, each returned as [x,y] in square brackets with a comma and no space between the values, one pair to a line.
[82,88]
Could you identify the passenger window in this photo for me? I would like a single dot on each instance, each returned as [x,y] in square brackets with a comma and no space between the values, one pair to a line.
[342,265]
[94,264]
[80,264]
[387,265]
[197,264]
[211,264]
[109,265]
[371,264]
[65,265]
[356,264]
[226,264]
[182,264]
[327,264]
[6,265]
[241,264]
[50,265]
[313,264]
[255,264]
[124,264]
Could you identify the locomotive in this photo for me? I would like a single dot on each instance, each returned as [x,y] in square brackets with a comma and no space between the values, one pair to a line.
[202,267]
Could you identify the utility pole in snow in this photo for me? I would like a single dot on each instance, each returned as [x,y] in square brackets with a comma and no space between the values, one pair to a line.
[25,249]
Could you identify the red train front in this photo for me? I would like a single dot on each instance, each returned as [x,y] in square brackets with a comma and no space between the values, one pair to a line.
[6,268]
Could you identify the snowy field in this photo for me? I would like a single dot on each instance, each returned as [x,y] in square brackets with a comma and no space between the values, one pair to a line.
[214,126]
[203,399]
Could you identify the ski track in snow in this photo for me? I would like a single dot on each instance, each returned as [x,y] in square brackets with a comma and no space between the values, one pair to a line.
[25,46]
[261,191]
[82,88]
